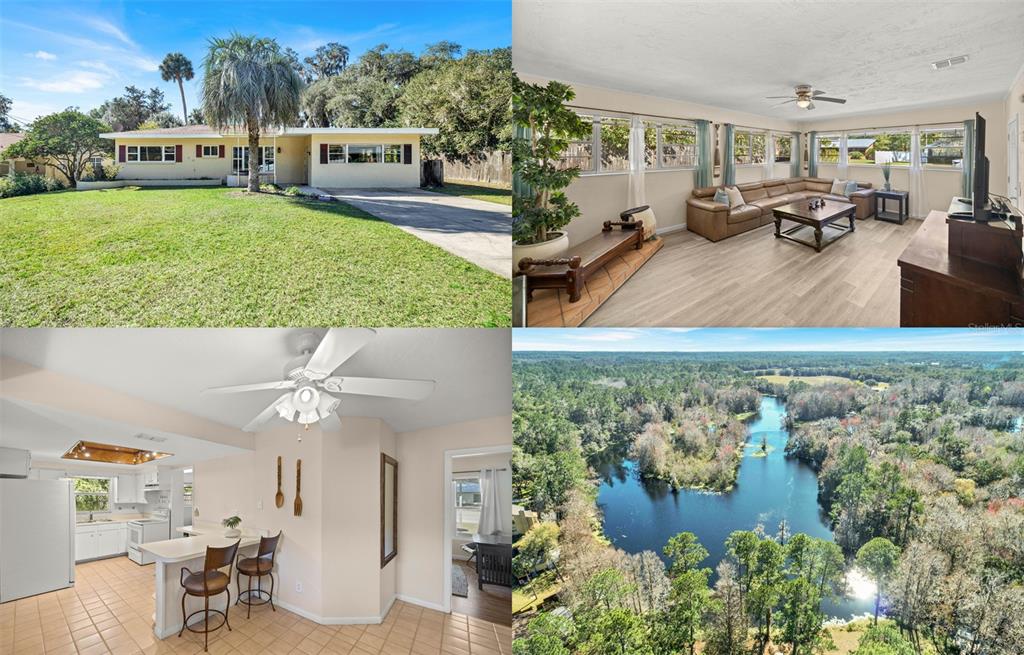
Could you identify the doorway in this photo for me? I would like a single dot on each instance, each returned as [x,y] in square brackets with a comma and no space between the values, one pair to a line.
[474,479]
[1013,162]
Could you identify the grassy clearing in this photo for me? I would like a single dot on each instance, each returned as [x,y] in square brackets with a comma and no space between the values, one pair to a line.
[217,257]
[813,380]
[478,191]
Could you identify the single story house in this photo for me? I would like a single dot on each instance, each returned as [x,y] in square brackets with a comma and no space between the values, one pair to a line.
[340,157]
[10,165]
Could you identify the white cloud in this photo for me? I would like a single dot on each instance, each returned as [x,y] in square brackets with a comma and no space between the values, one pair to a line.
[107,27]
[44,55]
[98,65]
[26,112]
[70,82]
[142,62]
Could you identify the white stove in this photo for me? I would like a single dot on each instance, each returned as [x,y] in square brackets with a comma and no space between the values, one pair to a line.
[155,527]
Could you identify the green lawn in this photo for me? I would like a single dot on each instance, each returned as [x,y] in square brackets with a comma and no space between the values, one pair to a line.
[477,190]
[217,257]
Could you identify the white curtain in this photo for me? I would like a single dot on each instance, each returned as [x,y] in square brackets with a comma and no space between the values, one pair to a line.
[637,196]
[917,204]
[844,160]
[769,155]
[491,508]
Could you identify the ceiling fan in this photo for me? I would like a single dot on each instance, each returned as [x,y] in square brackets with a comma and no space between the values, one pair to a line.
[308,379]
[805,97]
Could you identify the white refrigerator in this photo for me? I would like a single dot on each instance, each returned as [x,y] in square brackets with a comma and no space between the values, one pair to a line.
[37,537]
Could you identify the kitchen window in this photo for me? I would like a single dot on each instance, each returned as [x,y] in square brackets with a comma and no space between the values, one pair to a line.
[92,494]
[468,500]
[150,154]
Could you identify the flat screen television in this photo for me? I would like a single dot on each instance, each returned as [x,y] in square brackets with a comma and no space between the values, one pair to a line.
[980,191]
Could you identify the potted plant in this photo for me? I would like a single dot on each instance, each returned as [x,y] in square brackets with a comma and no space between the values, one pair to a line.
[231,523]
[544,127]
[886,172]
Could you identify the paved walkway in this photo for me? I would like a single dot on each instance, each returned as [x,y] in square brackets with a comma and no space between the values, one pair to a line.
[476,230]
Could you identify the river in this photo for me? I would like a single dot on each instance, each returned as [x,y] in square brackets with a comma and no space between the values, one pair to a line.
[642,516]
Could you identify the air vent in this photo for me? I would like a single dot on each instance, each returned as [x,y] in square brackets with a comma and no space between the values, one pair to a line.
[150,437]
[943,64]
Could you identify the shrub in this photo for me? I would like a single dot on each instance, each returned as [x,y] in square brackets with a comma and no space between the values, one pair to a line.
[856,154]
[292,191]
[269,188]
[23,184]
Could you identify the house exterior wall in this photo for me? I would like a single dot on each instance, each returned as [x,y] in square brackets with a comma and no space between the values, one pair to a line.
[346,175]
[290,161]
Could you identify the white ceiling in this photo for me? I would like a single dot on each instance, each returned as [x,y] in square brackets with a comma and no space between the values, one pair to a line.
[473,369]
[877,55]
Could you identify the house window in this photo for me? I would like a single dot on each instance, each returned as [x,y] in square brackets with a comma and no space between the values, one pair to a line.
[150,154]
[579,153]
[783,144]
[614,144]
[828,148]
[943,147]
[211,151]
[336,154]
[749,147]
[92,494]
[361,154]
[187,494]
[678,146]
[892,146]
[393,154]
[266,161]
[96,160]
[240,160]
[468,499]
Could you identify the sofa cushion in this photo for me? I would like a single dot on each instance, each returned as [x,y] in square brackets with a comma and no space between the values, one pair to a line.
[851,186]
[838,187]
[777,190]
[722,196]
[821,187]
[834,198]
[796,186]
[705,191]
[753,191]
[767,204]
[735,197]
[743,213]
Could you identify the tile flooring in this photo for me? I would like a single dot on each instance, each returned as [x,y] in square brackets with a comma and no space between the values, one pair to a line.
[110,608]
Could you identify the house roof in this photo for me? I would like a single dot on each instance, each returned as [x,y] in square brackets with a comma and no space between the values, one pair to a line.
[10,138]
[207,132]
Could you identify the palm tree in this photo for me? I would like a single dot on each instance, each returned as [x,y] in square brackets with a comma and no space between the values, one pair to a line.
[177,67]
[248,81]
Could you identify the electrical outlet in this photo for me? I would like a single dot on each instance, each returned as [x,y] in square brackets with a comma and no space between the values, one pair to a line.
[298,587]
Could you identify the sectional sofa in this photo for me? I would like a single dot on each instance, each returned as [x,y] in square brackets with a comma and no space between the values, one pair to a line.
[716,221]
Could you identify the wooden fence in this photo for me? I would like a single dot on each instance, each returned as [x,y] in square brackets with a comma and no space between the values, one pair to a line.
[492,168]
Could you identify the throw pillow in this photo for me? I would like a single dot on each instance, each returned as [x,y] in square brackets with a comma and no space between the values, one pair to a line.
[735,197]
[851,186]
[722,196]
[838,187]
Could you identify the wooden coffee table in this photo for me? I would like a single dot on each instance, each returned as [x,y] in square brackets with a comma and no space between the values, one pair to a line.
[818,219]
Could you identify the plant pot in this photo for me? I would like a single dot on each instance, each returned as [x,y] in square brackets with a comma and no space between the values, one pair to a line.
[556,246]
[232,533]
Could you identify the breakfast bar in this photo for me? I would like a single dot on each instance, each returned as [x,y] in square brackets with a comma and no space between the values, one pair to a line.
[174,554]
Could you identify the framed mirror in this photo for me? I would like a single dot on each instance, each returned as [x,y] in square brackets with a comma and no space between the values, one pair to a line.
[388,509]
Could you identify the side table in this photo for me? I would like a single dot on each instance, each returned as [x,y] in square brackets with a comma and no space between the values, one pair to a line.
[903,201]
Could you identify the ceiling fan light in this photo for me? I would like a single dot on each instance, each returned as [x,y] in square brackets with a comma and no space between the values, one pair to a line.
[327,406]
[306,398]
[803,103]
[308,417]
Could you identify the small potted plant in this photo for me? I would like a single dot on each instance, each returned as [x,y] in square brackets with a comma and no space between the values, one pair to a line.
[231,523]
[544,127]
[886,172]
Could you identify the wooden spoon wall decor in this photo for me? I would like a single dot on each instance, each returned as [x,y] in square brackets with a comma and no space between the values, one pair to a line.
[279,497]
[298,487]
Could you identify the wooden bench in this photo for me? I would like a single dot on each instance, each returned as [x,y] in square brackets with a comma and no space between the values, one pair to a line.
[571,271]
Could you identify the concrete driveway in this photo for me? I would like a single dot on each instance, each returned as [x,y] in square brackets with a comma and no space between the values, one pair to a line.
[476,230]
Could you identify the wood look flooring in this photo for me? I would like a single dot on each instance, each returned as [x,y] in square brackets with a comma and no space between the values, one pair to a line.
[110,610]
[754,279]
[493,604]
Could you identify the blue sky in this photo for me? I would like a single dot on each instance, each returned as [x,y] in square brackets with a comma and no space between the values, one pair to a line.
[55,54]
[767,339]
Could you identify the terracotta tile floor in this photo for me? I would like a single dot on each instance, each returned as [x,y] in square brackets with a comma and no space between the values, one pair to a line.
[110,608]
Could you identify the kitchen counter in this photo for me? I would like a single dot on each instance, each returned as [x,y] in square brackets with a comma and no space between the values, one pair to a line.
[173,555]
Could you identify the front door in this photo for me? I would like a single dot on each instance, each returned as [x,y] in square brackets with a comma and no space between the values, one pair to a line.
[1013,162]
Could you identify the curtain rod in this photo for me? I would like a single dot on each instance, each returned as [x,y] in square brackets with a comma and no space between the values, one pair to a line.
[892,127]
[476,471]
[633,113]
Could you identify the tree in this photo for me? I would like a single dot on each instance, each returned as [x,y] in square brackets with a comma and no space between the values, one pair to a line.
[328,60]
[545,635]
[177,67]
[883,640]
[686,552]
[127,112]
[467,100]
[6,124]
[297,65]
[67,140]
[247,81]
[727,623]
[688,602]
[617,631]
[878,558]
[766,587]
[801,615]
[536,549]
[156,121]
[196,117]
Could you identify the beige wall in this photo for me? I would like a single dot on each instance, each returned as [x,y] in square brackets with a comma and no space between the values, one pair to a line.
[290,161]
[421,491]
[344,175]
[940,185]
[602,196]
[1015,107]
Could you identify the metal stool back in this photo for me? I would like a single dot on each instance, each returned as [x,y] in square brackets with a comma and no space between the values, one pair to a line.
[211,581]
[259,566]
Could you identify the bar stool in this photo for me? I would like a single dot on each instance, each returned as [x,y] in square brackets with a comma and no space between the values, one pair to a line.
[259,566]
[211,581]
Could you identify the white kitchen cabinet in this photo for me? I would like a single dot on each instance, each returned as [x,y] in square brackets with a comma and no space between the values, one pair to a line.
[129,488]
[151,479]
[109,542]
[122,538]
[85,545]
[100,540]
[47,474]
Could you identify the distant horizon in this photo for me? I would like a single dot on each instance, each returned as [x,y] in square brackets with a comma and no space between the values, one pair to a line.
[767,340]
